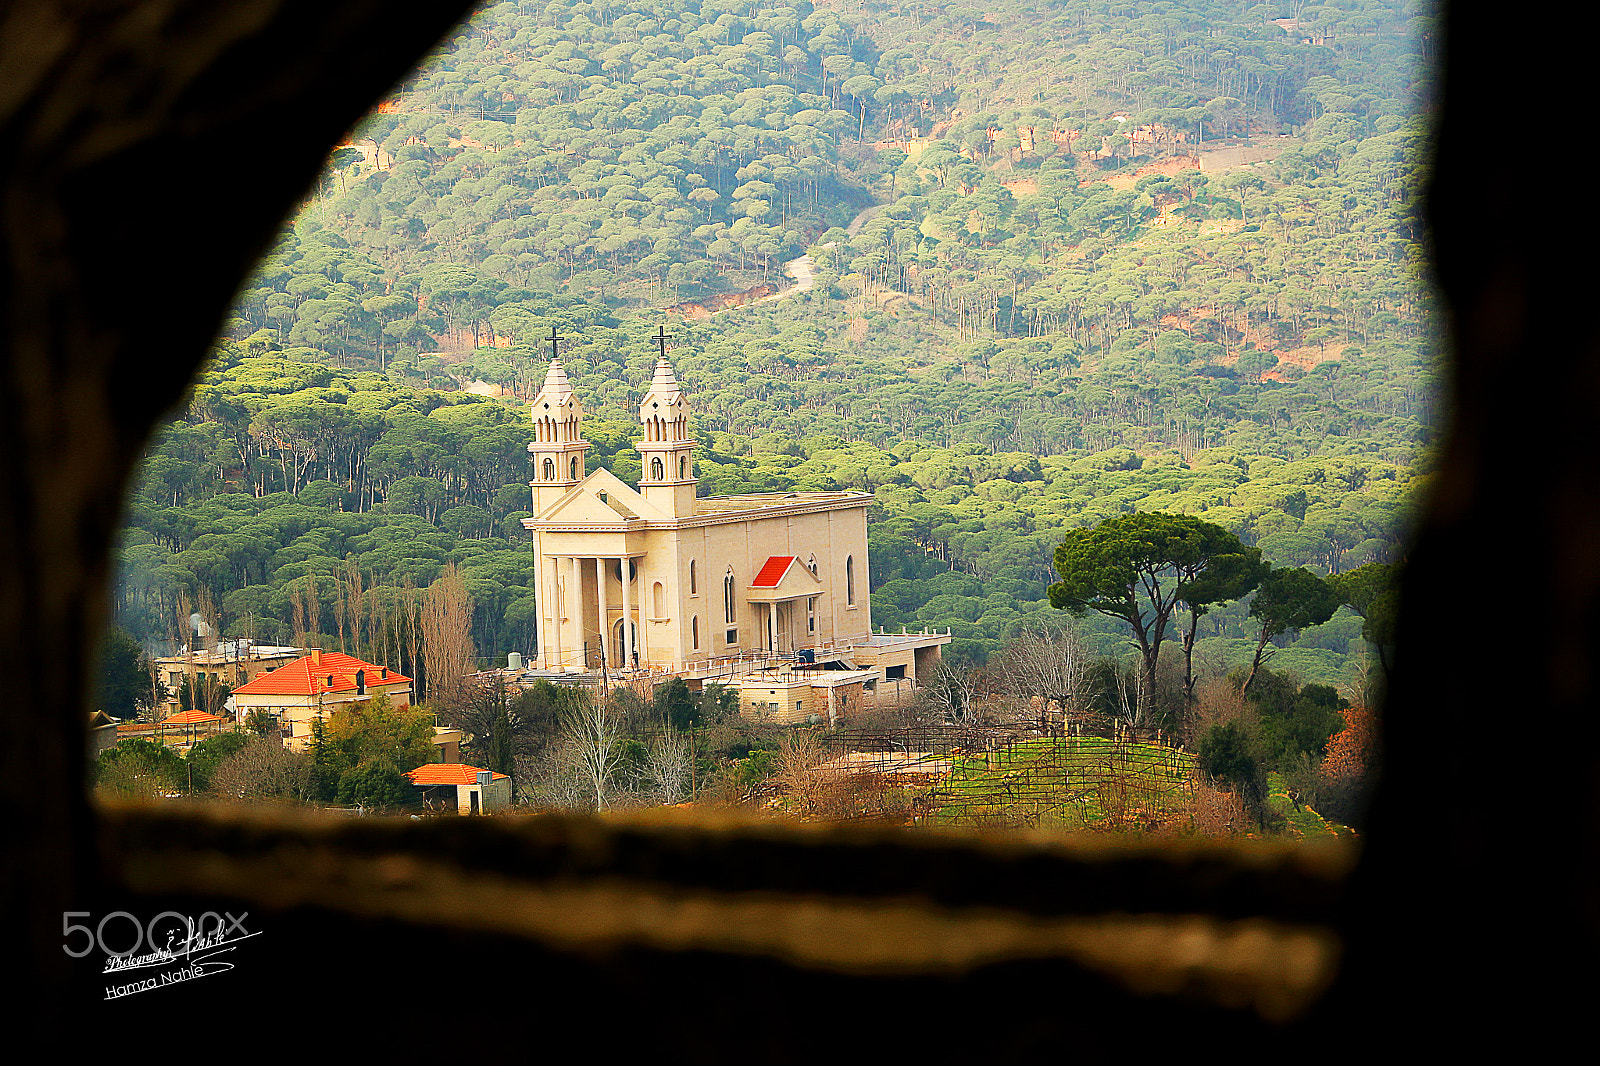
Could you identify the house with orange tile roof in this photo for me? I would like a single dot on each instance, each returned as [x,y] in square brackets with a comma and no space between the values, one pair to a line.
[656,579]
[311,686]
[462,788]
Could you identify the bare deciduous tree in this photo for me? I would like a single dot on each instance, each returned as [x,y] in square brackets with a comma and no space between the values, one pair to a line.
[307,611]
[800,752]
[668,765]
[1051,665]
[209,631]
[447,651]
[1133,703]
[953,692]
[551,781]
[339,615]
[158,693]
[264,770]
[591,745]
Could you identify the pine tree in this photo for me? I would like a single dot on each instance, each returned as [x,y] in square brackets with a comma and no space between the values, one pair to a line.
[327,761]
[500,756]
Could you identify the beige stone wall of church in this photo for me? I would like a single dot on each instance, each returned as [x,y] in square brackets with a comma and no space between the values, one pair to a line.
[837,539]
[755,701]
[886,659]
[670,643]
[832,537]
[818,704]
[853,700]
[848,699]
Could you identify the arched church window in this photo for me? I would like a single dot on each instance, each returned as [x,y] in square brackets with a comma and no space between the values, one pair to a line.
[694,584]
[659,596]
[549,469]
[683,468]
[850,580]
[658,470]
[694,631]
[811,565]
[572,468]
[727,598]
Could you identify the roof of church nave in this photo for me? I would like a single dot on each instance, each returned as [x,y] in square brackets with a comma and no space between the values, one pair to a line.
[751,500]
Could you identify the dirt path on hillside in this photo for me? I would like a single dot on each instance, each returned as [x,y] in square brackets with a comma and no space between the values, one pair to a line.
[803,271]
[863,218]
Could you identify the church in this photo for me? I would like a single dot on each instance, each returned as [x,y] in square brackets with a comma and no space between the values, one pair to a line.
[766,592]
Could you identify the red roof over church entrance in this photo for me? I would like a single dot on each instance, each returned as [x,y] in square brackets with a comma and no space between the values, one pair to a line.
[773,572]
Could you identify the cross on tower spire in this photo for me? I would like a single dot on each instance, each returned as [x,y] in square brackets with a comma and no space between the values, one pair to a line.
[665,454]
[558,444]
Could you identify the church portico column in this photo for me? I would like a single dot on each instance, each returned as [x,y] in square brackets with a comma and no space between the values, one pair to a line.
[574,656]
[602,615]
[547,611]
[644,617]
[556,658]
[627,613]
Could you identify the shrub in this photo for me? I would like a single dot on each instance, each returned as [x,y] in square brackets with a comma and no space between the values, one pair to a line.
[206,756]
[140,768]
[1228,755]
[377,784]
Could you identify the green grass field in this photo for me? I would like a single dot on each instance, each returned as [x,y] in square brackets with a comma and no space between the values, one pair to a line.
[1090,783]
[1299,820]
[1069,783]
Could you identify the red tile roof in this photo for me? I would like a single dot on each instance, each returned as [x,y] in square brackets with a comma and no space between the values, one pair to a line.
[773,572]
[447,773]
[190,717]
[310,674]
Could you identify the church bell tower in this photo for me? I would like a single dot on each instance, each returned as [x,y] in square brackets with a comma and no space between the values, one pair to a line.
[558,445]
[666,452]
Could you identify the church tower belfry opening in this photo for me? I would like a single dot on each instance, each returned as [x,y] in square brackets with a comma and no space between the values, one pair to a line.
[666,451]
[558,446]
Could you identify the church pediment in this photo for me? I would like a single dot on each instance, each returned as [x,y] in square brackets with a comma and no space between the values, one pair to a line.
[602,498]
[784,577]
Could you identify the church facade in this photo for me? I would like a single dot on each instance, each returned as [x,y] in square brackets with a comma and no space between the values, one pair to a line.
[657,578]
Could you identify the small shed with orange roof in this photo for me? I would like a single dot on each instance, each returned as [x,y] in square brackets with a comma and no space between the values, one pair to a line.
[466,789]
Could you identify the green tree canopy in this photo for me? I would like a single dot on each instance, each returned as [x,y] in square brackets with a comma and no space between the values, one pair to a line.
[1139,567]
[377,784]
[1288,600]
[1373,592]
[376,729]
[206,756]
[123,686]
[139,768]
[1219,569]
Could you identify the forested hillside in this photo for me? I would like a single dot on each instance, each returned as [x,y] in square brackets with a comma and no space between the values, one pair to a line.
[1070,302]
